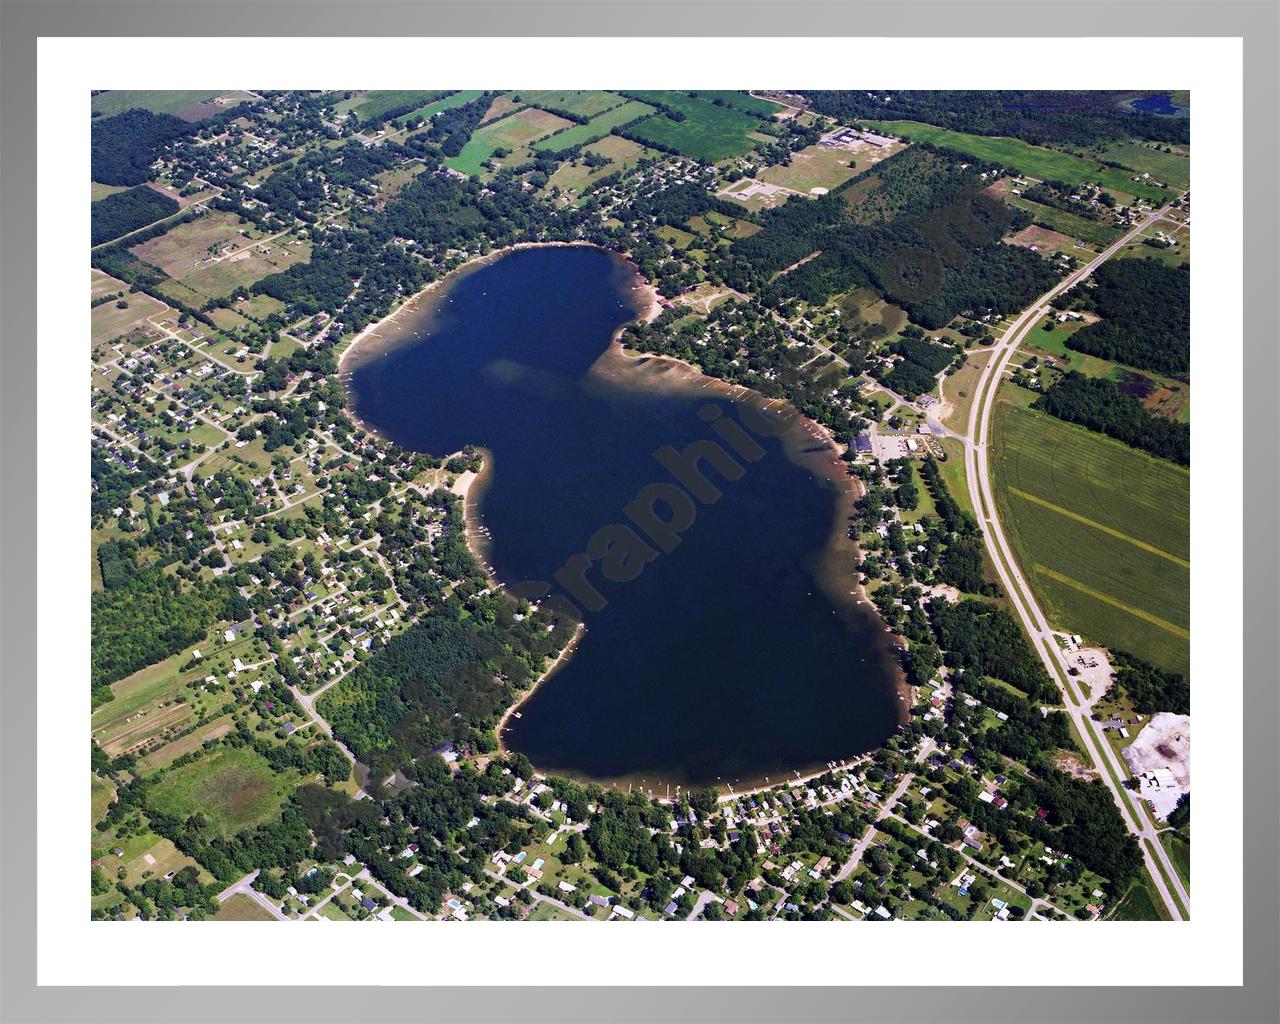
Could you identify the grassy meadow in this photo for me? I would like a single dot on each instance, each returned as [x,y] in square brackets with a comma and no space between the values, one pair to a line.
[234,787]
[1035,161]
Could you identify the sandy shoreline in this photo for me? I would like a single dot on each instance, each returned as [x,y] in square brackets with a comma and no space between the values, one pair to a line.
[561,658]
[648,312]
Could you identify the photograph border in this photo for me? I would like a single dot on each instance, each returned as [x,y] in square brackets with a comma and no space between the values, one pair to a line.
[24,22]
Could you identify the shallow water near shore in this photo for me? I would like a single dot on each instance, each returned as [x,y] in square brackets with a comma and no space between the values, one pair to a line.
[739,655]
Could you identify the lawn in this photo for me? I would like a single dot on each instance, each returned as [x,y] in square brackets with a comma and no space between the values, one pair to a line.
[707,132]
[1166,397]
[1174,255]
[680,239]
[234,787]
[1036,161]
[100,191]
[103,792]
[145,856]
[550,912]
[1054,343]
[1171,168]
[812,167]
[958,391]
[511,132]
[597,128]
[1102,532]
[333,911]
[241,906]
[926,506]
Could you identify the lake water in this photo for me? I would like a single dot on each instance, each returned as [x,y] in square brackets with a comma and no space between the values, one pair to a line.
[741,654]
[1158,103]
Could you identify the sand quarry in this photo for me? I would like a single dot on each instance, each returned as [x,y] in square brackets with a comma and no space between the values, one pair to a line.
[1160,758]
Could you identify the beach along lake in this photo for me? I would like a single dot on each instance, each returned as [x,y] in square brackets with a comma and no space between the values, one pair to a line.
[723,647]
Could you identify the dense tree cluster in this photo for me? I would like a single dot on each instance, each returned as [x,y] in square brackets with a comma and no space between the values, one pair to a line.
[357,274]
[1076,117]
[122,212]
[932,247]
[123,147]
[980,637]
[1151,690]
[917,371]
[114,482]
[677,204]
[1083,820]
[146,616]
[445,679]
[450,129]
[1146,315]
[1097,403]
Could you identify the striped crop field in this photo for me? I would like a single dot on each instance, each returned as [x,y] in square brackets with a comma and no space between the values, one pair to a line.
[1101,531]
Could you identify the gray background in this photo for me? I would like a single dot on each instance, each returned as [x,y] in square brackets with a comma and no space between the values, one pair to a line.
[1257,22]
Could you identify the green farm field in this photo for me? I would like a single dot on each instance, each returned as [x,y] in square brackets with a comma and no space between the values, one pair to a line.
[1101,531]
[707,132]
[623,153]
[510,132]
[376,103]
[234,787]
[1140,902]
[1036,161]
[158,101]
[583,102]
[597,128]
[434,107]
[1171,168]
[740,100]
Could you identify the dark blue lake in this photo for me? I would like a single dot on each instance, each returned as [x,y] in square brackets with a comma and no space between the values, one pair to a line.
[1157,103]
[739,655]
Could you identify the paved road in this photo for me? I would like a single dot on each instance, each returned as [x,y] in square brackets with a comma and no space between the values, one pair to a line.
[886,809]
[704,898]
[982,495]
[245,885]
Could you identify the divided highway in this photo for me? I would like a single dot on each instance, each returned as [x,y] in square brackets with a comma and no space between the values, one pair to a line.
[982,495]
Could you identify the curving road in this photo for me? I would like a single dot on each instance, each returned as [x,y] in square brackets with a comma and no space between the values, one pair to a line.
[982,495]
